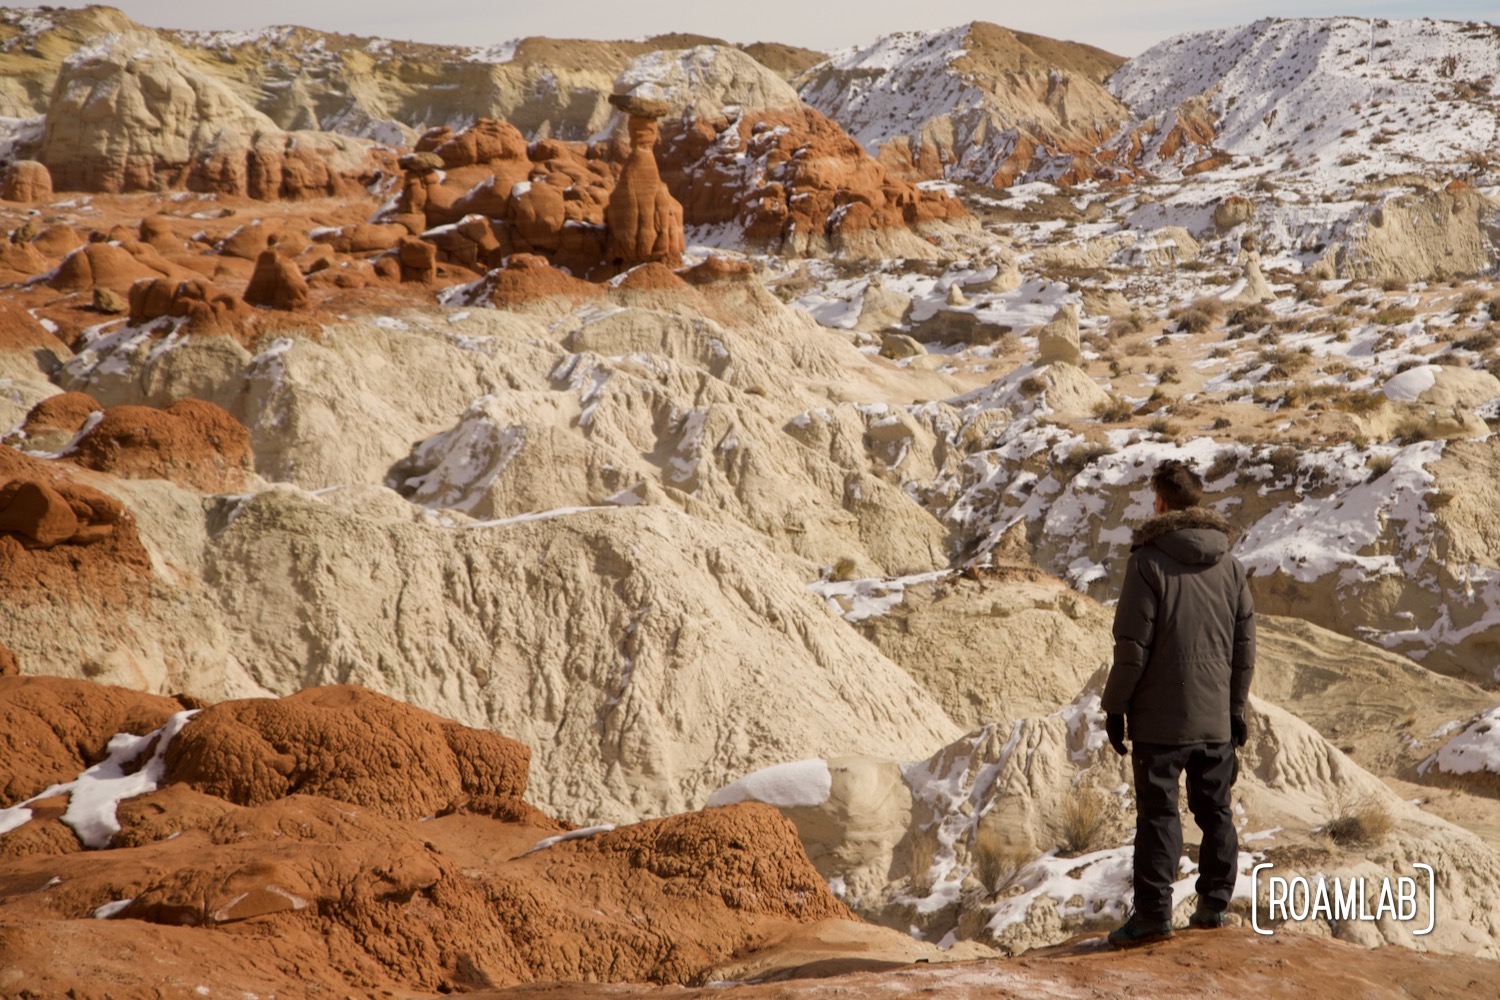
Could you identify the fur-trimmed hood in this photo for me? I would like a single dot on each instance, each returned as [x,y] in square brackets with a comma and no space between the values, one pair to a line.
[1196,536]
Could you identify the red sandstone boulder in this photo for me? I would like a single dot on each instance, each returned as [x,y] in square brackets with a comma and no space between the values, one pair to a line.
[366,238]
[418,260]
[276,283]
[344,743]
[52,728]
[26,181]
[58,239]
[100,265]
[37,513]
[716,269]
[42,513]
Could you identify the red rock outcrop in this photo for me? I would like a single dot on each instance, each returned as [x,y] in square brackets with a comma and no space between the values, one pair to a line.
[817,181]
[643,222]
[418,260]
[26,181]
[789,177]
[52,424]
[276,283]
[192,442]
[102,562]
[64,413]
[10,665]
[210,311]
[102,265]
[360,833]
[716,269]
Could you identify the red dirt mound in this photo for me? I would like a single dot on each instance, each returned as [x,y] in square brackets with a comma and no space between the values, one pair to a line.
[194,443]
[344,743]
[58,418]
[653,277]
[10,666]
[528,278]
[52,728]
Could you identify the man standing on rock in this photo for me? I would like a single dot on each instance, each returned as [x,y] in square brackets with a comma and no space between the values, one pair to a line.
[1184,656]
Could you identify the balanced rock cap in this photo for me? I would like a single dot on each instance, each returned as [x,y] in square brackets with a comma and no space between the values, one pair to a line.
[641,107]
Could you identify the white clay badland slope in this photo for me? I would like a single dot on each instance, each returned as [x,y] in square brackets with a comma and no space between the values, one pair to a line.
[629,596]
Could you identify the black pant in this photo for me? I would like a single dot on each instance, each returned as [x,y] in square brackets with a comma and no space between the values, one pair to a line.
[1211,770]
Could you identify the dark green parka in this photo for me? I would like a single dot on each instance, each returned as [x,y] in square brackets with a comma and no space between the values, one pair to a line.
[1184,632]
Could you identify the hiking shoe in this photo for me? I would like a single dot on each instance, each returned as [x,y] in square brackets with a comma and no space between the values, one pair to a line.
[1204,919]
[1140,930]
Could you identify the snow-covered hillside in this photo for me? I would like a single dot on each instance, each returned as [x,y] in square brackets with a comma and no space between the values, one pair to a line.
[973,102]
[1359,98]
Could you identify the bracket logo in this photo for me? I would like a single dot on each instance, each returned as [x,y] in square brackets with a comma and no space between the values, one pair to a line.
[1297,898]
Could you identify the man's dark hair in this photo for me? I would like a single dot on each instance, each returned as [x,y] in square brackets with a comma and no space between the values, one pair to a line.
[1177,484]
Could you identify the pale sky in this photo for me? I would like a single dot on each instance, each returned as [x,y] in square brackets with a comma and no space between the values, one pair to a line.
[1126,27]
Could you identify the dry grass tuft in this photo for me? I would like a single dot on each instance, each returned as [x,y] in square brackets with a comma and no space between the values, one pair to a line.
[1361,824]
[1115,411]
[1084,455]
[997,861]
[1083,821]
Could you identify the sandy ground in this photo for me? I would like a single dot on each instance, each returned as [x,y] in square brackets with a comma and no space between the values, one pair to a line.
[1232,963]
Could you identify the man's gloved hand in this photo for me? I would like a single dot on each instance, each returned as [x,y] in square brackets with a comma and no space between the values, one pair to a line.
[1238,732]
[1114,728]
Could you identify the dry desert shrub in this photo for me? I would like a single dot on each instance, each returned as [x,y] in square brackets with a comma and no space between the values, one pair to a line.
[1033,385]
[1360,402]
[1360,824]
[1084,455]
[997,860]
[1251,317]
[1285,363]
[919,864]
[1468,302]
[1084,815]
[1199,317]
[1481,341]
[1395,315]
[1115,411]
